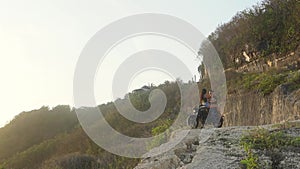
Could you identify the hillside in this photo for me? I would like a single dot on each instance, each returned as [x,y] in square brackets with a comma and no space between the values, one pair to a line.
[260,50]
[53,138]
[266,31]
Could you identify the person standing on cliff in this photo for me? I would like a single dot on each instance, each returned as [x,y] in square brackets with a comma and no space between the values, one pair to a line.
[203,99]
[203,109]
[214,115]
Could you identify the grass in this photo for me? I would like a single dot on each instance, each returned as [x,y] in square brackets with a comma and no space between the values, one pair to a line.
[265,82]
[266,141]
[157,141]
[263,139]
[251,161]
[286,125]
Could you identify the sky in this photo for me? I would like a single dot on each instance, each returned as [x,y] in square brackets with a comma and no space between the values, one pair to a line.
[40,43]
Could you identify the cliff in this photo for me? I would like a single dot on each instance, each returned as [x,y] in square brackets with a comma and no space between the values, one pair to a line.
[222,148]
[261,128]
[254,109]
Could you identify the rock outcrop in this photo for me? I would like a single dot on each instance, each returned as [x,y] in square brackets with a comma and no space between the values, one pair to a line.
[219,148]
[251,108]
[290,61]
[254,109]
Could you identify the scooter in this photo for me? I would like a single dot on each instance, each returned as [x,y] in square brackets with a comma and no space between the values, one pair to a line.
[192,119]
[199,115]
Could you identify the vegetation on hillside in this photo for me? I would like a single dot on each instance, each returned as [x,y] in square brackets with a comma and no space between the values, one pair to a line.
[271,27]
[30,128]
[52,138]
[262,141]
[263,83]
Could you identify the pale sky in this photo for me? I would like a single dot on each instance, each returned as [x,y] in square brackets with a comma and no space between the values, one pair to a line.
[40,42]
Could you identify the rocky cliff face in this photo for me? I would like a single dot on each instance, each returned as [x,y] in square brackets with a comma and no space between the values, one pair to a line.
[219,148]
[290,61]
[254,109]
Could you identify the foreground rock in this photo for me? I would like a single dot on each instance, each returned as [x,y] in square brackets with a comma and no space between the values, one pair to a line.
[219,148]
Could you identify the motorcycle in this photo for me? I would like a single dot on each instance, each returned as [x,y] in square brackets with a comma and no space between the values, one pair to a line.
[199,115]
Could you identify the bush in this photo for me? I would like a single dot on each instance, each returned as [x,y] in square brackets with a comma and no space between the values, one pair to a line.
[267,141]
[73,161]
[263,139]
[251,161]
[160,139]
[270,27]
[266,82]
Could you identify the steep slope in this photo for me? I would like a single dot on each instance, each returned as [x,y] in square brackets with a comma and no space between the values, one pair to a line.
[52,138]
[30,128]
[260,50]
[268,30]
[263,97]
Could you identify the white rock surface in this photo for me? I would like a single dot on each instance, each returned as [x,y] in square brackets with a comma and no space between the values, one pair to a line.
[215,149]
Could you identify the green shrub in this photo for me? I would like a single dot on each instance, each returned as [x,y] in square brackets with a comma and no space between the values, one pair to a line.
[263,139]
[266,82]
[2,166]
[156,131]
[251,161]
[163,127]
[293,81]
[296,142]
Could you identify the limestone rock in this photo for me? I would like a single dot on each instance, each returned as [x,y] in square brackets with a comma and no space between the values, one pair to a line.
[219,148]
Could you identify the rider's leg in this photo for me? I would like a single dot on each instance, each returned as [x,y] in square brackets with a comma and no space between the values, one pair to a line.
[197,122]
